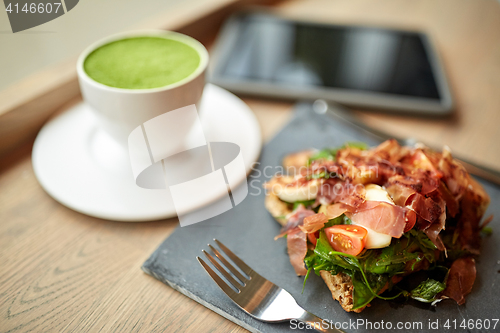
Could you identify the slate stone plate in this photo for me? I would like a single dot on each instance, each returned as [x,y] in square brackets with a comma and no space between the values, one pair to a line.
[248,230]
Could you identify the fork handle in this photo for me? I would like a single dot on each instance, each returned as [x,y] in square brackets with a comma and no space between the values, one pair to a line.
[320,325]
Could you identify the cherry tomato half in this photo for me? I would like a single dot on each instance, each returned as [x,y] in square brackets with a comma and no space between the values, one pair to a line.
[313,237]
[349,239]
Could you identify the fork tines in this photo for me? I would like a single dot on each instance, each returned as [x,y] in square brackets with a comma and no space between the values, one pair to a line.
[226,269]
[254,294]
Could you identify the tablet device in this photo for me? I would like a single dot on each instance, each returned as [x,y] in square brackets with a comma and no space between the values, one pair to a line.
[267,55]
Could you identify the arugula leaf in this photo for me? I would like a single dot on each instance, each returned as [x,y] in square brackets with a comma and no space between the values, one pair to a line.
[306,277]
[487,231]
[324,154]
[362,294]
[313,261]
[373,270]
[342,219]
[453,248]
[400,258]
[427,290]
[330,154]
[392,259]
[306,203]
[356,144]
[367,283]
[426,245]
[322,174]
[325,251]
[389,260]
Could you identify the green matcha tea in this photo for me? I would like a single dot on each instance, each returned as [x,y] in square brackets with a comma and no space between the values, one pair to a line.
[141,63]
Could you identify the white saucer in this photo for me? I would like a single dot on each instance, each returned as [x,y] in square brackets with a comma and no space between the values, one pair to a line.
[80,166]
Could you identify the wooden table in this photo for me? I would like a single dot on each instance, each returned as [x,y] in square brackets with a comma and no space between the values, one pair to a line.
[64,271]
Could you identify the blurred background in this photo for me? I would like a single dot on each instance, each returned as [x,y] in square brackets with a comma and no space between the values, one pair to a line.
[28,51]
[39,63]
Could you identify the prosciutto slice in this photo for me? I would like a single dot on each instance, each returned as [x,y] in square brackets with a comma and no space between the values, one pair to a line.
[399,191]
[473,206]
[295,219]
[334,191]
[384,218]
[296,242]
[460,279]
[313,223]
[402,187]
[437,224]
[427,208]
[449,199]
[454,174]
[335,210]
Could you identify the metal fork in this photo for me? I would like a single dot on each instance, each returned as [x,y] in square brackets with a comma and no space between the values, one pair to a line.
[255,295]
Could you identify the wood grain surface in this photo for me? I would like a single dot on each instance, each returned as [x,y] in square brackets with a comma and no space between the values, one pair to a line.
[64,271]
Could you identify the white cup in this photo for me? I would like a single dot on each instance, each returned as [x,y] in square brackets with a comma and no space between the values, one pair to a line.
[119,110]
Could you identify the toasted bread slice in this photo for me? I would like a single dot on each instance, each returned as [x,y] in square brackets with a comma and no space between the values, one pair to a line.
[277,208]
[341,287]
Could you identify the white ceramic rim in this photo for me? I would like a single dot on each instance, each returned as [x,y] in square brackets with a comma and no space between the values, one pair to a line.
[202,51]
[235,103]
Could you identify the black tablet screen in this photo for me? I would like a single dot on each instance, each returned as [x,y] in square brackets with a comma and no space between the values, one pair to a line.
[356,58]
